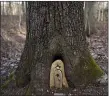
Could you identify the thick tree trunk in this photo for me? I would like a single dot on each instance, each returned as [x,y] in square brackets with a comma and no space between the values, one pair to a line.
[55,30]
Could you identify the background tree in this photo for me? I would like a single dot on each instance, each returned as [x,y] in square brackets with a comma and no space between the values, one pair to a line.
[55,30]
[94,12]
[89,17]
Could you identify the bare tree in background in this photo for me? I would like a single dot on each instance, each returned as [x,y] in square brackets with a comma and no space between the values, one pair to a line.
[89,18]
[94,12]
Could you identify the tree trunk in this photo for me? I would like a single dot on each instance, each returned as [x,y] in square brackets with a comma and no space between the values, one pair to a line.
[55,30]
[20,15]
[10,8]
[23,8]
[99,12]
[89,18]
[3,8]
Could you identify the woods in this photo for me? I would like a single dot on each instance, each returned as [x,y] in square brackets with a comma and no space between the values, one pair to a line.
[56,31]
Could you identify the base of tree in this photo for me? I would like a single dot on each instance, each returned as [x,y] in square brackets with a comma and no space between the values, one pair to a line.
[83,74]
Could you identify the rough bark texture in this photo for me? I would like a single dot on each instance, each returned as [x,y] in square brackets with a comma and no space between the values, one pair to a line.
[55,30]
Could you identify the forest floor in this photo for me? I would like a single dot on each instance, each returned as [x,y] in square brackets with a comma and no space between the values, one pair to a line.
[12,43]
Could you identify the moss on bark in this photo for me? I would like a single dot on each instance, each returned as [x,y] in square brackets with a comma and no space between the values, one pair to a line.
[28,92]
[86,71]
[7,82]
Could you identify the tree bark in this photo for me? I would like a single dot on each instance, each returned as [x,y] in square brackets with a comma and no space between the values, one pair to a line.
[55,30]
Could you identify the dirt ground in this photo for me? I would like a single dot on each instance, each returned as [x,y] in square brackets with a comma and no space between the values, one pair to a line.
[12,43]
